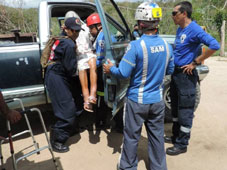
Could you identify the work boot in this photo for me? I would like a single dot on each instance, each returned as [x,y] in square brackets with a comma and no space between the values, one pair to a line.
[56,145]
[175,150]
[59,147]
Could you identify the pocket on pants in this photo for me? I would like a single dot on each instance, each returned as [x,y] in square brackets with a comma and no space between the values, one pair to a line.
[187,98]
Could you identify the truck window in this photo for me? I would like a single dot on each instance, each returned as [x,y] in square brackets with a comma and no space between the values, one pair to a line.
[116,26]
[55,27]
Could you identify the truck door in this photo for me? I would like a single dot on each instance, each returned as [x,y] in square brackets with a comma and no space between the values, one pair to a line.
[20,71]
[117,37]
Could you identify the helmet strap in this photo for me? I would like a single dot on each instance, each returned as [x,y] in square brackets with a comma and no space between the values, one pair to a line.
[98,30]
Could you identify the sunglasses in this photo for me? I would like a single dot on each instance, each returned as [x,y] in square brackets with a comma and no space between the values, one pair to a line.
[175,13]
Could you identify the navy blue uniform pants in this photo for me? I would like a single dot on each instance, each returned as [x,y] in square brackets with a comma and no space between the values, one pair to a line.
[152,115]
[62,91]
[182,93]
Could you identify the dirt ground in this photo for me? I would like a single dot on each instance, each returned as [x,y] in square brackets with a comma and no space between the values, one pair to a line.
[100,150]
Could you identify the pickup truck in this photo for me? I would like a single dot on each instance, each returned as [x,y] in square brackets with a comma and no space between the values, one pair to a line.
[20,69]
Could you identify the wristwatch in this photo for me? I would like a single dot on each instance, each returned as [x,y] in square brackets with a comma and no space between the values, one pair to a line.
[194,62]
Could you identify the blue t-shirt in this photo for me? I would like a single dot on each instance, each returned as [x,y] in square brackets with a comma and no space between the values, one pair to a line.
[100,47]
[136,34]
[188,41]
[146,61]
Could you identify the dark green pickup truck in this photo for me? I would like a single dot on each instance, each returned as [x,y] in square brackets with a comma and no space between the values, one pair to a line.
[20,69]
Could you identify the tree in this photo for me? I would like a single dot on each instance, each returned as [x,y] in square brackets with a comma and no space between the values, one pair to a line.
[220,19]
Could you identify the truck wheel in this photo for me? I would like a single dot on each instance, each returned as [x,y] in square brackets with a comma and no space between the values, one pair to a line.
[167,100]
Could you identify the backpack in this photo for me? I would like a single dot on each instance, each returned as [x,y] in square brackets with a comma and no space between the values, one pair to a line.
[44,60]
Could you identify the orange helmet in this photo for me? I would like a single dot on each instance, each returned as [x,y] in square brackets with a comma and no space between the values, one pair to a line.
[93,19]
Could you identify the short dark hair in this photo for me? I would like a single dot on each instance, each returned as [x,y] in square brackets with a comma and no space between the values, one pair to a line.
[185,6]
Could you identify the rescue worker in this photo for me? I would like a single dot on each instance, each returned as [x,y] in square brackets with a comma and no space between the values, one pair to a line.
[95,27]
[12,115]
[135,32]
[189,36]
[146,61]
[63,86]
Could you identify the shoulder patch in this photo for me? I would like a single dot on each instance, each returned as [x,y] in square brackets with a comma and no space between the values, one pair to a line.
[101,44]
[182,38]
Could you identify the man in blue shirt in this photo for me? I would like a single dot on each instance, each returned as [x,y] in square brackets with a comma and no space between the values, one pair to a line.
[95,26]
[189,36]
[63,85]
[146,61]
[135,32]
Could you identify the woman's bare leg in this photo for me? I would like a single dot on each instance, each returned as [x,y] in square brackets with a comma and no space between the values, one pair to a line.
[93,79]
[85,90]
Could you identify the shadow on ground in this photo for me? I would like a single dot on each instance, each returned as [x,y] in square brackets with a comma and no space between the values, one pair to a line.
[86,123]
[25,164]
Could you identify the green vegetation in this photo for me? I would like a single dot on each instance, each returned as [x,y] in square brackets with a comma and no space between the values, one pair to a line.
[209,13]
[17,18]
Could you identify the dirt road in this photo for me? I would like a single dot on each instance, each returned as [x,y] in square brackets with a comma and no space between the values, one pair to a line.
[100,150]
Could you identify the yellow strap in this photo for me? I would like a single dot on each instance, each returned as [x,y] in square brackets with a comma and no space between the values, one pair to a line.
[100,93]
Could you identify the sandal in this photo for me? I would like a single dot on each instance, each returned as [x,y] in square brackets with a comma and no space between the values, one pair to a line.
[92,99]
[88,107]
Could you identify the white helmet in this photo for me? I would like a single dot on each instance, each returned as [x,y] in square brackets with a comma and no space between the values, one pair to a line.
[70,14]
[148,15]
[148,11]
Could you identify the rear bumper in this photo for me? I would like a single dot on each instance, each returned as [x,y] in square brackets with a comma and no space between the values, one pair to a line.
[30,95]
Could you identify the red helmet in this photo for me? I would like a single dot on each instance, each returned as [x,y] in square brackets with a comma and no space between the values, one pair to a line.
[93,19]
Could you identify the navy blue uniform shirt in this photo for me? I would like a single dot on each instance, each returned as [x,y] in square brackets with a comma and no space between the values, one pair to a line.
[65,55]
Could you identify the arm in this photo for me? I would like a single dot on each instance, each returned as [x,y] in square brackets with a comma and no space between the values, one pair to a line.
[209,41]
[126,66]
[12,115]
[170,66]
[209,52]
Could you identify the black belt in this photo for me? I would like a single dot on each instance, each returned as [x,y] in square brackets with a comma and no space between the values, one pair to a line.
[178,69]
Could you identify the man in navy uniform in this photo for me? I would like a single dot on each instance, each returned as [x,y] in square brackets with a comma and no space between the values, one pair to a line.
[189,36]
[146,61]
[63,85]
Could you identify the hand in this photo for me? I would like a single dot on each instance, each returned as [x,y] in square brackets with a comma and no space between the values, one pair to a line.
[188,68]
[13,116]
[106,67]
[63,26]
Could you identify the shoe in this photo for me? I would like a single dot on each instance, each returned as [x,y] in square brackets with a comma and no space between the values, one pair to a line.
[88,107]
[175,150]
[168,139]
[57,146]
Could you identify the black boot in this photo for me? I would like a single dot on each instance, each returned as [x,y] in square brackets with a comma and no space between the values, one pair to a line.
[57,146]
[175,150]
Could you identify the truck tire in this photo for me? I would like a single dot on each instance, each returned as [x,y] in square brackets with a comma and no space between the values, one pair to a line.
[167,100]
